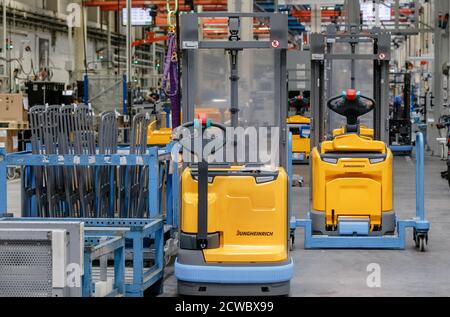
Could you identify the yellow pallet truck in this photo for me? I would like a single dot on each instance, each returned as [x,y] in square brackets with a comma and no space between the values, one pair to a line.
[300,126]
[351,176]
[234,214]
[301,143]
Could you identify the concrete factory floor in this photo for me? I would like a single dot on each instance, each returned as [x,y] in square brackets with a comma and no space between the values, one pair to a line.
[344,272]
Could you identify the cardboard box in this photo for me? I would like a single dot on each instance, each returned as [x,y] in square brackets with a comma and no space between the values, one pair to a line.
[9,139]
[12,109]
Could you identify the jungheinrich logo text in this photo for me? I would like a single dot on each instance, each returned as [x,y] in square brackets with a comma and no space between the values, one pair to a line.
[255,233]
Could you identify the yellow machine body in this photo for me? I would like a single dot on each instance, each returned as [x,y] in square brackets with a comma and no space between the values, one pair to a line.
[159,137]
[297,119]
[250,217]
[299,143]
[352,186]
[364,132]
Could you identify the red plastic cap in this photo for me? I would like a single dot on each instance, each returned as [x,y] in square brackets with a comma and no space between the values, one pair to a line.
[202,118]
[351,94]
[299,98]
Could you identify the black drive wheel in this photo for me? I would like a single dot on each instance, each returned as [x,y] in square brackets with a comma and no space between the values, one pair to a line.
[448,175]
[416,238]
[422,243]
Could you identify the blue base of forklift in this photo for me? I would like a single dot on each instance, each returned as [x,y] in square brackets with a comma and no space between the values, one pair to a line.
[397,241]
[299,158]
[401,148]
[234,274]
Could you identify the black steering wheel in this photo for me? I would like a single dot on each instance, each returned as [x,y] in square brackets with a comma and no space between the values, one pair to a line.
[195,126]
[351,105]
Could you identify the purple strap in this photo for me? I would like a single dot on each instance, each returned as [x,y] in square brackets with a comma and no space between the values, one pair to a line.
[171,75]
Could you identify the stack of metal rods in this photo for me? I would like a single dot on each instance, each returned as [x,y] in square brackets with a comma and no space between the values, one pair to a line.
[134,179]
[86,191]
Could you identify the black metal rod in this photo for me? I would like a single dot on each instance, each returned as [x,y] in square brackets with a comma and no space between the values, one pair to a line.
[234,78]
[202,221]
[352,68]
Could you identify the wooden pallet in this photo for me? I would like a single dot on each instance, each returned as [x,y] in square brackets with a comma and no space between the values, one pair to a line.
[14,124]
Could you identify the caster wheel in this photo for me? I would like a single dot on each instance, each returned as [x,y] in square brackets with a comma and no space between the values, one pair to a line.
[415,238]
[12,173]
[448,175]
[156,289]
[167,259]
[292,243]
[422,243]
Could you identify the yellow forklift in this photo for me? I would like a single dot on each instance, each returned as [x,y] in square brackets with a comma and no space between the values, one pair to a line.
[299,125]
[234,212]
[351,163]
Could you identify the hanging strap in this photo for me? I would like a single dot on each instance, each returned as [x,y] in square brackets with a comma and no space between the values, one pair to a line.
[170,77]
[171,67]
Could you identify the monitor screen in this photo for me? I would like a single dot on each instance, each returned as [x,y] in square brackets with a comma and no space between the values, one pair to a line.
[139,16]
[368,11]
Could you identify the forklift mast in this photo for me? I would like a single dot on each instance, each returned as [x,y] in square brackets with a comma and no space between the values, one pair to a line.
[328,48]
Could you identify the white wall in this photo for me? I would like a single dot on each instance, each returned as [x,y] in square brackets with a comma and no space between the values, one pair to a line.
[58,52]
[59,44]
[33,3]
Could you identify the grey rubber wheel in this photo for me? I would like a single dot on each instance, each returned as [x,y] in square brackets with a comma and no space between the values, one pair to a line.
[422,244]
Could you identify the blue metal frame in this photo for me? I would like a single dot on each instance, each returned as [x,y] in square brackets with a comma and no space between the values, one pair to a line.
[152,159]
[26,160]
[86,89]
[401,148]
[133,230]
[96,244]
[96,247]
[397,241]
[172,189]
[167,111]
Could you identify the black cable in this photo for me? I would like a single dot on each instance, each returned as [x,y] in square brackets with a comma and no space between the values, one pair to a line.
[18,62]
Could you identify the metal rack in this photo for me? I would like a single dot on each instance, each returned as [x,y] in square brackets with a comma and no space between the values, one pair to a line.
[106,236]
[69,177]
[100,247]
[137,230]
[55,257]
